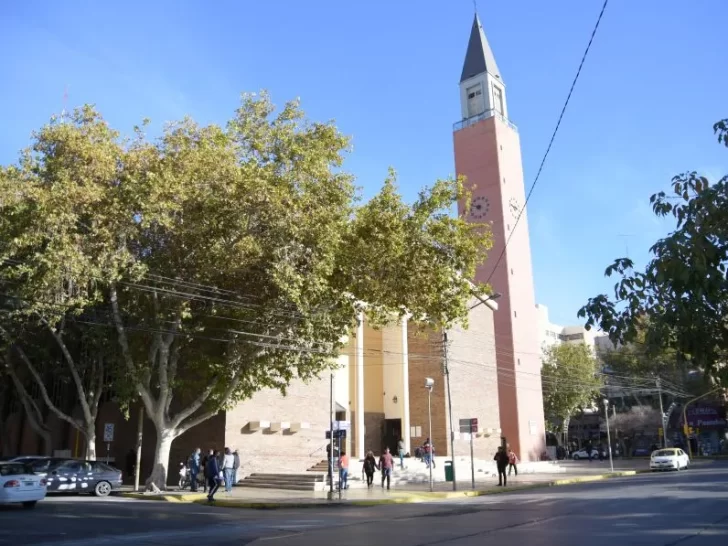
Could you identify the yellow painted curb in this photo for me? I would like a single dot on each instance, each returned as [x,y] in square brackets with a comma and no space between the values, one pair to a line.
[396,498]
[186,498]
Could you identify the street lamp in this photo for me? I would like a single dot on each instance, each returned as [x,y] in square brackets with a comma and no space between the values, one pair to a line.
[492,297]
[429,383]
[609,439]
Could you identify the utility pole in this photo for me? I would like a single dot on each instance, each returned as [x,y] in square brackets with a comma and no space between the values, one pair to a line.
[609,439]
[331,440]
[662,413]
[446,371]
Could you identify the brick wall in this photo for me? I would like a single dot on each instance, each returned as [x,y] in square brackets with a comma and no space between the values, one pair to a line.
[474,381]
[281,452]
[425,360]
[373,431]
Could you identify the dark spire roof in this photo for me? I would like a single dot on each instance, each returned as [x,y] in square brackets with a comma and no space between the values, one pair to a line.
[479,58]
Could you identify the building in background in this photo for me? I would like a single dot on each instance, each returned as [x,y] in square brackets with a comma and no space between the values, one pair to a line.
[555,334]
[488,155]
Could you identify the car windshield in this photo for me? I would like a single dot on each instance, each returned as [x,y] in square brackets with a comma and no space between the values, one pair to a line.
[664,453]
[14,469]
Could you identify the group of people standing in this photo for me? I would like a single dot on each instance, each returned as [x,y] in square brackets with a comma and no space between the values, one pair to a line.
[216,468]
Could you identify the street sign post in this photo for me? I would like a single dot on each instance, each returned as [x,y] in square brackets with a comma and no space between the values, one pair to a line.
[473,431]
[108,438]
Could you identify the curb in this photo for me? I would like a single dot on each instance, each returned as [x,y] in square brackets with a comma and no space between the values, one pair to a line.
[405,498]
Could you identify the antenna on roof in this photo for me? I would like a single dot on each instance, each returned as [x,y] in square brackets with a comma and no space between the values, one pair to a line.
[65,104]
[475,6]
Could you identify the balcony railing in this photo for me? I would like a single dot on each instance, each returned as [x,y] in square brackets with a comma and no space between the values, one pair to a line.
[467,122]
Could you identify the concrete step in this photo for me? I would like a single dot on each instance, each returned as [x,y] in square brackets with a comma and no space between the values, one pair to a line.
[287,487]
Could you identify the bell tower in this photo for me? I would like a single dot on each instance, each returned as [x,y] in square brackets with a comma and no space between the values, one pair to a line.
[488,155]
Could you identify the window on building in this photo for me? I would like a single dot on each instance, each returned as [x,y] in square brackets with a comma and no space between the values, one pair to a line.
[475,100]
[498,99]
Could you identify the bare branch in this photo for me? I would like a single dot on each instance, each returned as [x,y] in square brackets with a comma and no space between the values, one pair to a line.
[209,414]
[44,392]
[125,351]
[74,371]
[194,405]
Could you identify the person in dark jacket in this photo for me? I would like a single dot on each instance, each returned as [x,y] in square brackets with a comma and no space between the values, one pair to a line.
[501,461]
[212,471]
[370,465]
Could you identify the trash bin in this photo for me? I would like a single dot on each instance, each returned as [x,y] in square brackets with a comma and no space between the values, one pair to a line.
[448,471]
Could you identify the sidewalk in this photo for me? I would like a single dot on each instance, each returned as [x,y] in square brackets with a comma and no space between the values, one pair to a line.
[245,497]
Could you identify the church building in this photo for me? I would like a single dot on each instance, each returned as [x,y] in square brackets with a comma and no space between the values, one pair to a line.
[488,375]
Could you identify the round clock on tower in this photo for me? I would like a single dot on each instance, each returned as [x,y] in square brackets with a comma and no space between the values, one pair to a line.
[479,207]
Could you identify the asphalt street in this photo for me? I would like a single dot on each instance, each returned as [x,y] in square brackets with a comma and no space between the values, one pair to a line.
[687,509]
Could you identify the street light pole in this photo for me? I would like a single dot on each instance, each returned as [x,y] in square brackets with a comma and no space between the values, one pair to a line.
[429,383]
[449,405]
[609,439]
[662,413]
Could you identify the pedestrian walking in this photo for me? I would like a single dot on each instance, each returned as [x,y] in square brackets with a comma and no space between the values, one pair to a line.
[212,470]
[194,466]
[370,465]
[401,452]
[343,471]
[386,464]
[512,462]
[228,468]
[203,465]
[236,466]
[501,462]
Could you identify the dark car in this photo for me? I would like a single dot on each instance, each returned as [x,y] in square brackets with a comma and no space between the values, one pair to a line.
[75,476]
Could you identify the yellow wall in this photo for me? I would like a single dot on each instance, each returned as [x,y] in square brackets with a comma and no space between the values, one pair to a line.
[373,371]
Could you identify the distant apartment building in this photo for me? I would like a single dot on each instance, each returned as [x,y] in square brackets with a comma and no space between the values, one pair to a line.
[555,334]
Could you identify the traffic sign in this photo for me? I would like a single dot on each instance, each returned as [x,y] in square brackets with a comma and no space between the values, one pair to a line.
[109,432]
[473,426]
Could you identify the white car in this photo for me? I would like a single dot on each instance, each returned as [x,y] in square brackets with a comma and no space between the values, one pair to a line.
[669,458]
[582,454]
[19,485]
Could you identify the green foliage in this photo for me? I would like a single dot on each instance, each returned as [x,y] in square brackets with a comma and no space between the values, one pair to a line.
[681,297]
[223,259]
[570,379]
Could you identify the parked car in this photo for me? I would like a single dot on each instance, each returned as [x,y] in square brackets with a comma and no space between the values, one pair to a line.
[670,458]
[582,454]
[19,484]
[76,476]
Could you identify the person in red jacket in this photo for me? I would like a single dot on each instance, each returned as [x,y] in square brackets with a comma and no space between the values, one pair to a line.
[512,462]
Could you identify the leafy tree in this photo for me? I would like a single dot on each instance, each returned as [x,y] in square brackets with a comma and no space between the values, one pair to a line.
[225,260]
[681,297]
[570,381]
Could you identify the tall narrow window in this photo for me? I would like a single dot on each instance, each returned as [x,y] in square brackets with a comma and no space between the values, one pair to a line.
[498,99]
[475,100]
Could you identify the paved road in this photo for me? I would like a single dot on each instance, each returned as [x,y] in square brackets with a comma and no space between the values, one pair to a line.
[686,509]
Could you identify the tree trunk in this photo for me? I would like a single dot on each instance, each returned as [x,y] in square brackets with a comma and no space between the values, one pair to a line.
[158,477]
[91,442]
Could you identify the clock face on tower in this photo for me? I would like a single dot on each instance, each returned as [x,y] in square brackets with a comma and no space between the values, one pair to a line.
[479,207]
[513,205]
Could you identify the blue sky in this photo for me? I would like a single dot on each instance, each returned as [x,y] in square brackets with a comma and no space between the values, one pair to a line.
[387,72]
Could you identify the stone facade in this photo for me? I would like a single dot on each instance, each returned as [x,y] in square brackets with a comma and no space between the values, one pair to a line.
[284,451]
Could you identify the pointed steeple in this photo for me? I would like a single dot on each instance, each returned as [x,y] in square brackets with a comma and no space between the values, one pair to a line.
[479,58]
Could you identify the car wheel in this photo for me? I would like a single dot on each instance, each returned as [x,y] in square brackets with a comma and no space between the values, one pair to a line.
[29,505]
[102,489]
[575,457]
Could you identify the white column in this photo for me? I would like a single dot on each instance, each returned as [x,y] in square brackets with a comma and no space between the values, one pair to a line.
[360,388]
[405,388]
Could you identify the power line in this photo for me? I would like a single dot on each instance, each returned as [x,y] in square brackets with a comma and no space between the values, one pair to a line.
[553,137]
